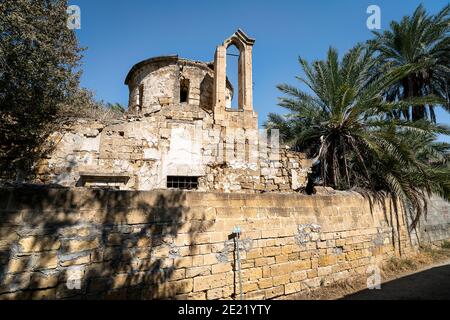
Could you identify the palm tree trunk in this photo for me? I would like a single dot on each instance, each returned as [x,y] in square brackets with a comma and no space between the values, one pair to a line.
[418,112]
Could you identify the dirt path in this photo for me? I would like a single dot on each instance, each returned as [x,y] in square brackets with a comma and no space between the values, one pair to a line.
[432,283]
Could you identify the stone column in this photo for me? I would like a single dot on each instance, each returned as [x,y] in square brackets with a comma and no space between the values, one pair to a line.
[248,78]
[220,80]
[241,81]
[245,78]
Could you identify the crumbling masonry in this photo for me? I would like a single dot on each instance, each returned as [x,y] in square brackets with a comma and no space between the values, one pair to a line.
[179,132]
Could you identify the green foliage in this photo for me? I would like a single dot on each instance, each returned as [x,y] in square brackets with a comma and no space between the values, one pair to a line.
[345,122]
[420,39]
[364,117]
[39,73]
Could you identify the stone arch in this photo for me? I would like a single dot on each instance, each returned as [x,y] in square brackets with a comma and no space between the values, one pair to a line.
[234,75]
[245,83]
[236,41]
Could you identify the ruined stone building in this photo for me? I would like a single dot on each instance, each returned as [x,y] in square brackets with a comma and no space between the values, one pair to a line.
[179,132]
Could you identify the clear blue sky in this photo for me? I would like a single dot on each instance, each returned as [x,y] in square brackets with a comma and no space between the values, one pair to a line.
[119,34]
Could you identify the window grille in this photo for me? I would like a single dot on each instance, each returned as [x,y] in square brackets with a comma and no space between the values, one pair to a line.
[182,183]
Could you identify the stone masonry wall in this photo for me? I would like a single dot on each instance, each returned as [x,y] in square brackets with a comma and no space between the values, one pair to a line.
[80,243]
[158,80]
[435,228]
[162,136]
[171,142]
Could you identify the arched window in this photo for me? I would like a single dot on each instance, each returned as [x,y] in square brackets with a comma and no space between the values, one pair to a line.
[184,91]
[244,92]
[140,99]
[233,69]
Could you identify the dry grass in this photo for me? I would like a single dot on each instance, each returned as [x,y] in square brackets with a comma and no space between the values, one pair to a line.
[333,292]
[392,269]
[84,106]
[445,244]
[395,265]
[100,113]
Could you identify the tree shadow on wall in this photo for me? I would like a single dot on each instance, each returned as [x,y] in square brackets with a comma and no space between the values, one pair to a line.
[394,214]
[96,244]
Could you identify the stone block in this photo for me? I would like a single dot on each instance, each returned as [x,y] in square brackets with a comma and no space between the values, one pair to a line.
[299,276]
[19,265]
[46,261]
[198,271]
[265,283]
[81,245]
[49,294]
[271,251]
[76,261]
[221,268]
[291,288]
[213,281]
[325,261]
[180,286]
[279,280]
[274,292]
[38,244]
[43,281]
[249,286]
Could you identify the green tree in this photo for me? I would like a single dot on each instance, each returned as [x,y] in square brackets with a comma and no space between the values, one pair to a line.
[420,39]
[342,122]
[39,73]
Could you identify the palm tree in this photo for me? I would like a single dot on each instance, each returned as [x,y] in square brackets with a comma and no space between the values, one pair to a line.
[419,39]
[342,122]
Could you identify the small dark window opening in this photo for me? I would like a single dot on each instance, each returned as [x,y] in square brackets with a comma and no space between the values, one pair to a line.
[184,90]
[182,183]
[141,97]
[247,151]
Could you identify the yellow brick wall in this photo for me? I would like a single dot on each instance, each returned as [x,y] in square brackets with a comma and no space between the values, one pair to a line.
[57,243]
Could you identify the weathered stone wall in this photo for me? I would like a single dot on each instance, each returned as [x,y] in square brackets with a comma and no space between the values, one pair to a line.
[158,81]
[178,124]
[58,243]
[287,172]
[435,227]
[139,154]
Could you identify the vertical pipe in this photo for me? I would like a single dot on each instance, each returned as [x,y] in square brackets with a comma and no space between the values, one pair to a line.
[237,232]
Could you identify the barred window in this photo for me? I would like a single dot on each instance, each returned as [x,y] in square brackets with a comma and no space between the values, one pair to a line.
[182,183]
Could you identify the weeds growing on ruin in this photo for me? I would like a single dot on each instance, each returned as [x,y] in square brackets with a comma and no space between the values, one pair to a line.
[445,244]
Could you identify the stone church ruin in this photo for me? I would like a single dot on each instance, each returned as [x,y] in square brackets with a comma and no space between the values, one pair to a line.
[179,132]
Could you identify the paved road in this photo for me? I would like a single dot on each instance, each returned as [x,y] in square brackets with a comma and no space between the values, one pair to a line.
[431,284]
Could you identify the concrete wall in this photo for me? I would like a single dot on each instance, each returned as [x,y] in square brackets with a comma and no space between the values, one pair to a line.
[58,243]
